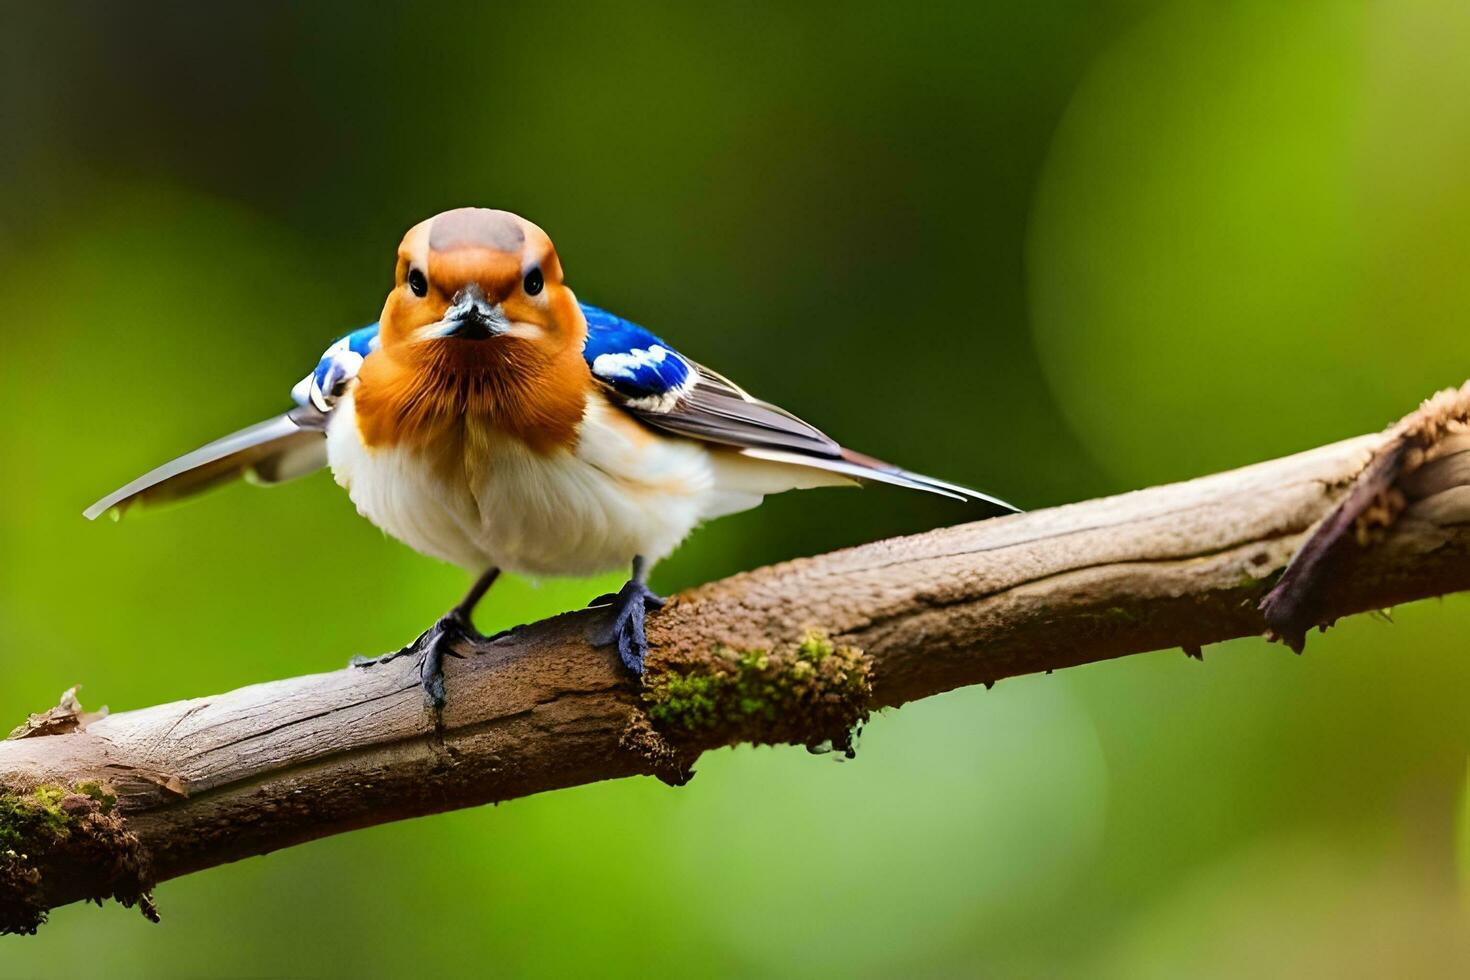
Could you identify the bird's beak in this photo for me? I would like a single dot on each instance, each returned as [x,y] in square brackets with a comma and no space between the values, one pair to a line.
[470,317]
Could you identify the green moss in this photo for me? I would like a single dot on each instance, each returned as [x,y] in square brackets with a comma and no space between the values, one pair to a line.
[51,826]
[32,824]
[105,798]
[28,817]
[685,700]
[811,692]
[815,647]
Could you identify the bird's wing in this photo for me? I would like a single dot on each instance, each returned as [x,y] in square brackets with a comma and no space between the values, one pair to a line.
[337,368]
[656,384]
[272,451]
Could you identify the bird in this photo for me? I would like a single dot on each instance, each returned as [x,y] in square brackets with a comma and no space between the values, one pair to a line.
[492,420]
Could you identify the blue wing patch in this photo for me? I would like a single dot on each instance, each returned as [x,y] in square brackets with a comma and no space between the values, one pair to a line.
[636,363]
[339,365]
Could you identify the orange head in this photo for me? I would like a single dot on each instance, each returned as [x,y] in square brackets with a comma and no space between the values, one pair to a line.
[475,276]
[479,327]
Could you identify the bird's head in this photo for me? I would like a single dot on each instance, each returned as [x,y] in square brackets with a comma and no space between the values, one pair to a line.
[472,280]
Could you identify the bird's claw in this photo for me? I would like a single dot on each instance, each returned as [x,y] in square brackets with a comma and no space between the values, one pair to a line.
[432,646]
[625,630]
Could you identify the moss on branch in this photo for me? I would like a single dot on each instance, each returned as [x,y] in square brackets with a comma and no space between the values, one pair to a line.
[811,692]
[50,827]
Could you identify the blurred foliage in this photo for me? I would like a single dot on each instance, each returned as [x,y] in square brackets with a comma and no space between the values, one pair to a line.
[1053,250]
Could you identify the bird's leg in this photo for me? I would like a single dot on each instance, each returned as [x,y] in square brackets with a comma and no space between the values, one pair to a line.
[628,607]
[455,628]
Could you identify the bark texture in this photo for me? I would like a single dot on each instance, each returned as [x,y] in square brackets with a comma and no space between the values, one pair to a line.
[797,652]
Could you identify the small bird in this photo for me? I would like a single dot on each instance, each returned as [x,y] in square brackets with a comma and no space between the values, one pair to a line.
[491,420]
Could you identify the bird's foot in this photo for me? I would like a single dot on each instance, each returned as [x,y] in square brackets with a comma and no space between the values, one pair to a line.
[432,646]
[629,604]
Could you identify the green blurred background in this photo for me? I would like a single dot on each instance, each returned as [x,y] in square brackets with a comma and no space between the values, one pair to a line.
[1053,249]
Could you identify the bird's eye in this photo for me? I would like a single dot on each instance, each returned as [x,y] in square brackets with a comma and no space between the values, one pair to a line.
[418,283]
[534,282]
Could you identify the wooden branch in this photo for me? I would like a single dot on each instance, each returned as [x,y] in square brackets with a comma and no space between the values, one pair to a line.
[797,652]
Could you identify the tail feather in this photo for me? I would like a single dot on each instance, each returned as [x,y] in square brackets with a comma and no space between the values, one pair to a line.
[273,451]
[863,467]
[922,482]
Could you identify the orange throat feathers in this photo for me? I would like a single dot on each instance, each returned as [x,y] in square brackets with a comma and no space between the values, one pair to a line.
[422,395]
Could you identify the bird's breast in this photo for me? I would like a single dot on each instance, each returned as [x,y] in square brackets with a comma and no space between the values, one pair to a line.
[478,496]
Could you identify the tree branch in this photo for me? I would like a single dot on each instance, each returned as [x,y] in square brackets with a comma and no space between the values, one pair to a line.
[797,652]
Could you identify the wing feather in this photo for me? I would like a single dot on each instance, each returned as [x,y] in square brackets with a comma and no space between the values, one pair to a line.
[667,391]
[272,451]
